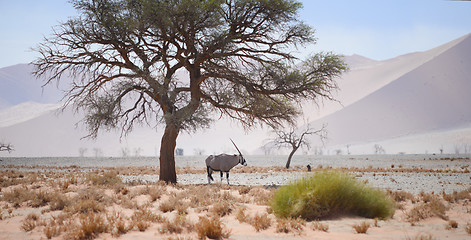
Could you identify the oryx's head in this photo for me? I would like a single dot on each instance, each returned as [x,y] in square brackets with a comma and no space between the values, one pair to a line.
[241,157]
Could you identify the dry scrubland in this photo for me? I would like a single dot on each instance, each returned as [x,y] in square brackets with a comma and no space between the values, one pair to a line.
[86,203]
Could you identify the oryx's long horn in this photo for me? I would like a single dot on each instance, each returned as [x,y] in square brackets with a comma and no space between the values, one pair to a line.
[236,146]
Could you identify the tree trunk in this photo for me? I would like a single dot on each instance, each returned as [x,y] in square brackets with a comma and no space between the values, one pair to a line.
[290,156]
[167,154]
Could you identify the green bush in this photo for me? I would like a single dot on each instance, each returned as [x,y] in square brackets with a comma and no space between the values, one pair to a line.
[330,193]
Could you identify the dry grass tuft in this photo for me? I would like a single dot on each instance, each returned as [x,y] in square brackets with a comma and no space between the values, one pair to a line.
[260,222]
[401,196]
[179,223]
[422,237]
[108,179]
[88,200]
[169,205]
[240,215]
[452,224]
[362,227]
[145,214]
[211,228]
[287,225]
[156,192]
[318,226]
[456,196]
[222,208]
[30,222]
[468,228]
[433,207]
[117,224]
[261,196]
[89,227]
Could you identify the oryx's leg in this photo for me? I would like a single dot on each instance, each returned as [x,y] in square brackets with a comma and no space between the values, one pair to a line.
[210,177]
[227,176]
[221,176]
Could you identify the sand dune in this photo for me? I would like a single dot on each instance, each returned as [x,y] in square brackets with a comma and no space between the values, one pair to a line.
[410,95]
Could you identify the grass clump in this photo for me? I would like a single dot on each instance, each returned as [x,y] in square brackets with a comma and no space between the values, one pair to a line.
[329,193]
[211,228]
[468,228]
[362,228]
[287,225]
[260,222]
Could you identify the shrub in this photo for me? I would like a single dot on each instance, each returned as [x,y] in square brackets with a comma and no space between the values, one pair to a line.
[211,228]
[327,193]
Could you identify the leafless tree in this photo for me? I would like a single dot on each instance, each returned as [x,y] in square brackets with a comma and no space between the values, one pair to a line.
[6,147]
[82,151]
[127,59]
[379,149]
[198,151]
[296,139]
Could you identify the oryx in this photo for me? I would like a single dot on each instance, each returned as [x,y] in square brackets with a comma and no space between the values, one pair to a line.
[223,163]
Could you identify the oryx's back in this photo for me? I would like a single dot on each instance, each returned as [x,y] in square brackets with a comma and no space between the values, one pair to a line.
[222,162]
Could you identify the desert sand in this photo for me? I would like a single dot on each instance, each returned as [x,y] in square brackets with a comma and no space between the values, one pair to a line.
[85,203]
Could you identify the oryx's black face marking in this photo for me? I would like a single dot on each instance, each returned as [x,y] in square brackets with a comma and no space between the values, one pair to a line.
[242,160]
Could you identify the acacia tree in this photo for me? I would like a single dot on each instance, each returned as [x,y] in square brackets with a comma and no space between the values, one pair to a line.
[296,139]
[180,62]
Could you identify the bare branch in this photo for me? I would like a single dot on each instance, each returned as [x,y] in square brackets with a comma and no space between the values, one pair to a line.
[6,147]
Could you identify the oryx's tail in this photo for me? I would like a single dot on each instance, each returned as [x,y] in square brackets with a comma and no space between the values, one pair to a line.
[209,173]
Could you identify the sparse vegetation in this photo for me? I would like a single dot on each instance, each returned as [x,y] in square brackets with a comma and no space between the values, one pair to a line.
[362,227]
[30,222]
[260,222]
[468,228]
[222,208]
[90,226]
[287,225]
[452,224]
[85,210]
[422,237]
[211,228]
[329,192]
[434,207]
[318,226]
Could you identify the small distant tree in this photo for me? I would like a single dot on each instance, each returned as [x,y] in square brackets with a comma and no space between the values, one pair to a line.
[296,139]
[198,151]
[82,151]
[98,152]
[378,149]
[6,147]
[179,151]
[180,62]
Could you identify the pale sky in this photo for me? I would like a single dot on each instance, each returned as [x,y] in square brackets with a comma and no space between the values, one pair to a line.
[371,28]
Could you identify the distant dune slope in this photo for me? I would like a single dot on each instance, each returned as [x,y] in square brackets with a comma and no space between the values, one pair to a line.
[434,95]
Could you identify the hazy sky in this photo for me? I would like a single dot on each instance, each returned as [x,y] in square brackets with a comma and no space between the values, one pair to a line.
[372,28]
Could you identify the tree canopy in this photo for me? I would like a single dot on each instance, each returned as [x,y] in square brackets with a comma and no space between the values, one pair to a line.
[181,62]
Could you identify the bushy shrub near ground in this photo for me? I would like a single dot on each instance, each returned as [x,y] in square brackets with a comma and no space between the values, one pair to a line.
[329,193]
